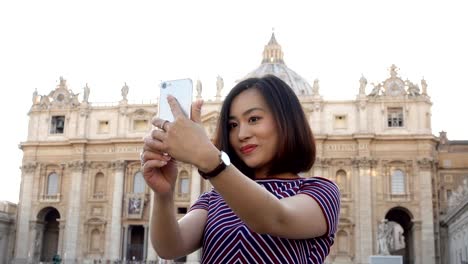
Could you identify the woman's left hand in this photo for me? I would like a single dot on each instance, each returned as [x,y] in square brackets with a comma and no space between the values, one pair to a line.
[184,140]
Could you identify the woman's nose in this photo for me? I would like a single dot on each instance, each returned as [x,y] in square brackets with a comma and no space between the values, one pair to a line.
[244,132]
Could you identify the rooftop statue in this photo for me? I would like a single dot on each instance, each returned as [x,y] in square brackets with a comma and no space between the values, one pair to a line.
[315,87]
[199,89]
[124,91]
[362,85]
[219,86]
[376,90]
[86,93]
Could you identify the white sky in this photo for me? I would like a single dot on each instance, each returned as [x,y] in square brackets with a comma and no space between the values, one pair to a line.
[107,43]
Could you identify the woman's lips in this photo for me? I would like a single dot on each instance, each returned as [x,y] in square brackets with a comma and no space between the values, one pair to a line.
[248,149]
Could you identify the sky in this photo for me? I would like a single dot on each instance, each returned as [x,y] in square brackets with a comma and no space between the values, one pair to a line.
[107,43]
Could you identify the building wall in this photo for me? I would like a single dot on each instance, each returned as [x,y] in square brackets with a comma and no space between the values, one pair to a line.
[7,231]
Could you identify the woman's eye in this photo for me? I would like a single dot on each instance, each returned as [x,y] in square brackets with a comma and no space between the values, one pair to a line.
[254,119]
[232,125]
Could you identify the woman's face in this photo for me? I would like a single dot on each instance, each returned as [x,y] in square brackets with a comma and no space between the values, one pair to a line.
[252,130]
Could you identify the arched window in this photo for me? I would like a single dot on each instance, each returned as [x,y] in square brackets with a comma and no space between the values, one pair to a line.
[398,182]
[341,181]
[343,246]
[184,183]
[138,183]
[99,183]
[95,240]
[52,184]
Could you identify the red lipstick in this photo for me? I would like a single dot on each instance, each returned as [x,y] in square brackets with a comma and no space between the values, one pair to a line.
[248,148]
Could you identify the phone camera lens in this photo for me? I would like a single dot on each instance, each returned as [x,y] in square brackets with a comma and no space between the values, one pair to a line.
[163,85]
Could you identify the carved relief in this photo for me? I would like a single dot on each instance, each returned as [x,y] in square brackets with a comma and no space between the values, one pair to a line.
[118,165]
[425,163]
[77,165]
[29,167]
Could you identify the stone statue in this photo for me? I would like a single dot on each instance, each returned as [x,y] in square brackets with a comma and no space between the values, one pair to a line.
[413,89]
[383,237]
[124,91]
[63,83]
[398,240]
[315,87]
[199,89]
[376,90]
[393,71]
[86,93]
[424,86]
[362,85]
[34,97]
[219,86]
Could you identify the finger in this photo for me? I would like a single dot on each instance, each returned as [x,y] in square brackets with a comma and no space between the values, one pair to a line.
[196,111]
[150,165]
[154,145]
[150,155]
[175,107]
[160,123]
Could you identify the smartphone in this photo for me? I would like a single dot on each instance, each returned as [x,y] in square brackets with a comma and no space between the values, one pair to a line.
[182,90]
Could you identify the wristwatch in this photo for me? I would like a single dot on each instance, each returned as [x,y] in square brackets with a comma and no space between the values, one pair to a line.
[224,161]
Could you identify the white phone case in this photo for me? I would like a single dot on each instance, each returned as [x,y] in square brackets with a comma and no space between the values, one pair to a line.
[181,89]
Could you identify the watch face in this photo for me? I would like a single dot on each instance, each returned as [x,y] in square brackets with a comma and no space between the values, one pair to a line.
[225,158]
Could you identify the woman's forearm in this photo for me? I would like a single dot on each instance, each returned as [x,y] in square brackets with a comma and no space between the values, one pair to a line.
[253,204]
[165,231]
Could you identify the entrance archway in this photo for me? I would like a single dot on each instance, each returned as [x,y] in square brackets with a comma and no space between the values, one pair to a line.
[403,217]
[136,245]
[50,236]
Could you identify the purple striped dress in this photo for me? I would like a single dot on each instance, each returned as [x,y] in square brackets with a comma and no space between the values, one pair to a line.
[226,239]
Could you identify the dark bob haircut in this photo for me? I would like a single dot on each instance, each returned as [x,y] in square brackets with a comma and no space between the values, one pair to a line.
[296,150]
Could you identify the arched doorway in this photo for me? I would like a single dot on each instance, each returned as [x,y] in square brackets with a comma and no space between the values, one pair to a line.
[402,217]
[136,245]
[50,236]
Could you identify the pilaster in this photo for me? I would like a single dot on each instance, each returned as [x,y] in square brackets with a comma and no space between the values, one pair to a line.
[72,224]
[114,236]
[427,214]
[364,217]
[24,212]
[151,253]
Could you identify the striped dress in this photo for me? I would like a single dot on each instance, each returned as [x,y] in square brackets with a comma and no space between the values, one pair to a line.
[226,239]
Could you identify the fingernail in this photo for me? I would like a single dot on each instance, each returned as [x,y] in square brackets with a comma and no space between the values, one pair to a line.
[163,162]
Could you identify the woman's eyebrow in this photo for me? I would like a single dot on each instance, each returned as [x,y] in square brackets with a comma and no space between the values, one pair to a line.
[248,112]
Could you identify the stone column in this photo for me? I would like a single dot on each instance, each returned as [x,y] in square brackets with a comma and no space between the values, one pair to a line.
[361,105]
[72,227]
[125,243]
[364,223]
[416,250]
[114,237]
[24,212]
[151,253]
[195,191]
[62,225]
[36,231]
[427,214]
[145,242]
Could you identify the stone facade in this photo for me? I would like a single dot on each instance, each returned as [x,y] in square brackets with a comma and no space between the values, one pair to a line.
[453,199]
[82,189]
[7,231]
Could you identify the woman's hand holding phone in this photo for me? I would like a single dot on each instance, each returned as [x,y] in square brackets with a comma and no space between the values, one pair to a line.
[159,170]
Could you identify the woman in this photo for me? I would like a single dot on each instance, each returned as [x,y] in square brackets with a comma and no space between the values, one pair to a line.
[260,210]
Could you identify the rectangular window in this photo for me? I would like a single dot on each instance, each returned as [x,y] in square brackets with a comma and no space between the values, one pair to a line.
[103,127]
[395,117]
[181,210]
[340,122]
[184,186]
[140,125]
[57,125]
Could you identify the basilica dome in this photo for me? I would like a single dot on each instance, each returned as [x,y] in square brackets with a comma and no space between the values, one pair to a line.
[273,63]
